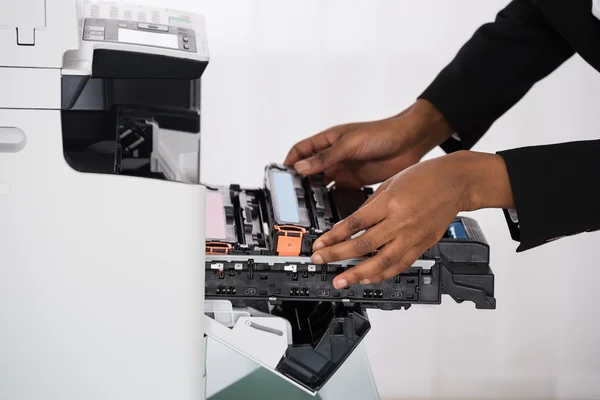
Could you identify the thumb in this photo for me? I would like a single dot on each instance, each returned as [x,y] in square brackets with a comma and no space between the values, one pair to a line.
[324,159]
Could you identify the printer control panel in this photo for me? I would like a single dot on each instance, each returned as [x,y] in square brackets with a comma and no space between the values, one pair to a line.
[140,33]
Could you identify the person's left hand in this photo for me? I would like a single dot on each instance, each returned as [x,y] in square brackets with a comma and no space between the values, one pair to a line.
[409,213]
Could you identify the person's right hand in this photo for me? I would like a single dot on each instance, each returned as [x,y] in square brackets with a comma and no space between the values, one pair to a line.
[366,153]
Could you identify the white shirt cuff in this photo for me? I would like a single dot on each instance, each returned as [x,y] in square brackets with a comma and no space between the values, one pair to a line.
[513,215]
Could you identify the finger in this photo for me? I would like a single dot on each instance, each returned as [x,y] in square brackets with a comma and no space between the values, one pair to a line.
[406,262]
[365,244]
[316,143]
[340,151]
[306,149]
[390,256]
[362,219]
[343,176]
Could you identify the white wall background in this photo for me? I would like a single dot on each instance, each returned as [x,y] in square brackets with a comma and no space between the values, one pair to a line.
[282,70]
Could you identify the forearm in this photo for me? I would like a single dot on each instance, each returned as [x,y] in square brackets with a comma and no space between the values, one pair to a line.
[429,128]
[483,179]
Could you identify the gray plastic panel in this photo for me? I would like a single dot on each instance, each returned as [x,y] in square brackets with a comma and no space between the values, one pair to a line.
[107,30]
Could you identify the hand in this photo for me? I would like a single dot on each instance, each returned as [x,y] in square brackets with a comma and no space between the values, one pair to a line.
[360,154]
[409,214]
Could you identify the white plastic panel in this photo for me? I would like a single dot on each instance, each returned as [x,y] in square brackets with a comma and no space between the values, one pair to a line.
[23,14]
[224,367]
[101,278]
[141,13]
[56,31]
[265,346]
[262,340]
[176,154]
[32,88]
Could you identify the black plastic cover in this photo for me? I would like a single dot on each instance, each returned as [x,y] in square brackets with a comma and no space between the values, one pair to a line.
[252,280]
[117,64]
[313,365]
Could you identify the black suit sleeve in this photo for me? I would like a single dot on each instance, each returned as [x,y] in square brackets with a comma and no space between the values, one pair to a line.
[494,70]
[554,191]
[554,185]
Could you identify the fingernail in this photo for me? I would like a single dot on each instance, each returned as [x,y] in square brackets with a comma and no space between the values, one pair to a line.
[340,283]
[365,282]
[318,245]
[302,166]
[317,259]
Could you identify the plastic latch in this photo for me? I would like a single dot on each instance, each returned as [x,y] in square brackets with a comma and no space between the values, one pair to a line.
[289,240]
[217,248]
[12,140]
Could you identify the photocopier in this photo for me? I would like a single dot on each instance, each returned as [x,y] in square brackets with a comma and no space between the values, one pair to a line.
[117,261]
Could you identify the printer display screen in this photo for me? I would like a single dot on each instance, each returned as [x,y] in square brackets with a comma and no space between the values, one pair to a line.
[148,38]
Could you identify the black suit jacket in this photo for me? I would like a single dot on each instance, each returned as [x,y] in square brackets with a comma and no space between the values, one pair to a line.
[555,187]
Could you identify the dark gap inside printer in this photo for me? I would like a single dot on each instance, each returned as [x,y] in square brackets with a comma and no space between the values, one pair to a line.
[111,119]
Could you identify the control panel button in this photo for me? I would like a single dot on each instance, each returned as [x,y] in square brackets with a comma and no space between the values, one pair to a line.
[93,37]
[153,27]
[186,46]
[94,29]
[186,39]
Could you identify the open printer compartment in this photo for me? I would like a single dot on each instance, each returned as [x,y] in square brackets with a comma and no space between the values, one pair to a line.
[265,298]
[128,119]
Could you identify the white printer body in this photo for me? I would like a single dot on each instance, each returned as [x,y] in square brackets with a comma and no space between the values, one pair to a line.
[101,294]
[102,266]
